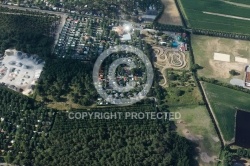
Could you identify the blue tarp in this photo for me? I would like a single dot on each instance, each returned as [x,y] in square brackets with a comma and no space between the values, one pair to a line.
[174,44]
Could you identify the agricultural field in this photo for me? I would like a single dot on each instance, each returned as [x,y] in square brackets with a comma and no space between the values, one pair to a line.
[204,48]
[170,14]
[216,15]
[196,125]
[224,102]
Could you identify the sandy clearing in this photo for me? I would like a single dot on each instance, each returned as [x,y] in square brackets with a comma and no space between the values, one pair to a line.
[197,138]
[228,16]
[236,4]
[241,60]
[171,14]
[221,57]
[204,48]
[216,139]
[206,158]
[221,69]
[191,136]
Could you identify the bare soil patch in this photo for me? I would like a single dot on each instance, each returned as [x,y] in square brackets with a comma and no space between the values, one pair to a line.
[204,48]
[171,14]
[203,154]
[196,126]
[221,69]
[206,158]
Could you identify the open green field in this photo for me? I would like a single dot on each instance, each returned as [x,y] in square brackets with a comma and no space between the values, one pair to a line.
[197,121]
[194,11]
[182,89]
[188,96]
[204,48]
[224,102]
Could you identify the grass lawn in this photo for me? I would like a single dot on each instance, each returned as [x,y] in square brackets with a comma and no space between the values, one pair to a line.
[224,102]
[197,120]
[204,48]
[197,19]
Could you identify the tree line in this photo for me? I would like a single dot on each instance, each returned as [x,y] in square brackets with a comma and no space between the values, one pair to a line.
[234,155]
[217,82]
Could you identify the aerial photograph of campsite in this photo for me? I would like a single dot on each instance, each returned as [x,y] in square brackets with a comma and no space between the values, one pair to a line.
[124,82]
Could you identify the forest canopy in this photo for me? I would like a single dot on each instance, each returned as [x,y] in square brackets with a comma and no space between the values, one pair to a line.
[34,135]
[30,32]
[67,80]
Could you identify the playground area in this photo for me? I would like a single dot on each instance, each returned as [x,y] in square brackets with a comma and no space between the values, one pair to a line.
[19,71]
[177,41]
[169,58]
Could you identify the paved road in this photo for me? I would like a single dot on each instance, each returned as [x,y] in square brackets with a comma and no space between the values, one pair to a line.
[61,14]
[32,9]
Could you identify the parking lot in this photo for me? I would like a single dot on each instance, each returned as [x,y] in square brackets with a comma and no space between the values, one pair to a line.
[19,71]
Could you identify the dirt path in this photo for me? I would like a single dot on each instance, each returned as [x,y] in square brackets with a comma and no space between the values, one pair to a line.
[168,58]
[32,9]
[228,16]
[23,14]
[60,27]
[171,14]
[236,4]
